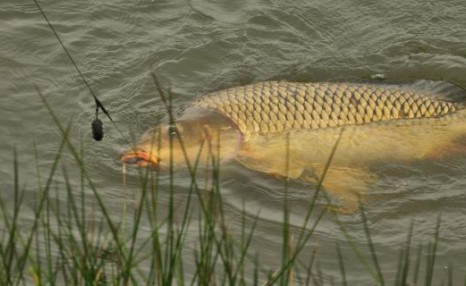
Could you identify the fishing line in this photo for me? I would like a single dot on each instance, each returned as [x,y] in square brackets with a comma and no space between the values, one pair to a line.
[97,125]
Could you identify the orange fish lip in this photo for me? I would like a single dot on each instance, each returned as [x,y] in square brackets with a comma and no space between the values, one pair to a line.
[140,158]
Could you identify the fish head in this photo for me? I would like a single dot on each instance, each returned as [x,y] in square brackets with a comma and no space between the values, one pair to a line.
[177,143]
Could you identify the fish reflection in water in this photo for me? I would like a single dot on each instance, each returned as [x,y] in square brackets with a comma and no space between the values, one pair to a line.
[289,129]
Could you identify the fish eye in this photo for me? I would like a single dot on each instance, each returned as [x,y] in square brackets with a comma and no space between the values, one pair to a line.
[171,130]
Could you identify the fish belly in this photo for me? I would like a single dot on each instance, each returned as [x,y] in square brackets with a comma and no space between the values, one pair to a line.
[359,146]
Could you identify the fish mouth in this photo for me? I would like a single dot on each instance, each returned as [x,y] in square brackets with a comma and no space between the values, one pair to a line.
[140,158]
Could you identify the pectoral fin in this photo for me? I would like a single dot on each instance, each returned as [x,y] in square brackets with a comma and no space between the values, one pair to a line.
[271,165]
[446,150]
[348,186]
[270,159]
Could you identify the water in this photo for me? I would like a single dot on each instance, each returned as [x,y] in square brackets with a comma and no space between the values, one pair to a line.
[202,45]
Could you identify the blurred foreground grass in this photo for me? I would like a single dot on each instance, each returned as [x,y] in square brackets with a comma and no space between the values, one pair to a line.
[65,245]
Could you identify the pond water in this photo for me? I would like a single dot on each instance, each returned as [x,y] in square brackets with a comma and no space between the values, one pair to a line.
[199,46]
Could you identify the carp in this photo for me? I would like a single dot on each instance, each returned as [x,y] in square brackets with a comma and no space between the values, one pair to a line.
[289,129]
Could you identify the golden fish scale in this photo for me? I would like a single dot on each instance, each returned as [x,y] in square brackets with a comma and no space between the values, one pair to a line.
[275,107]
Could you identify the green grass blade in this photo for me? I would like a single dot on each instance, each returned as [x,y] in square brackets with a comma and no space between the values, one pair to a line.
[432,250]
[417,265]
[405,270]
[342,265]
[450,275]
[285,278]
[371,244]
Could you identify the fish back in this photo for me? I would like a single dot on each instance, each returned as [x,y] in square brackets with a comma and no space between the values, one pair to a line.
[277,107]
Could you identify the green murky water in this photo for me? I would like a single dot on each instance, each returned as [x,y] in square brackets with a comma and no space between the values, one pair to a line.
[199,46]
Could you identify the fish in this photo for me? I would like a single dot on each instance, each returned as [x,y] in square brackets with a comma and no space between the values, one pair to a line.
[289,129]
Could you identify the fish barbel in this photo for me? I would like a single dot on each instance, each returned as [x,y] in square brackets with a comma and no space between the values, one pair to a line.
[289,129]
